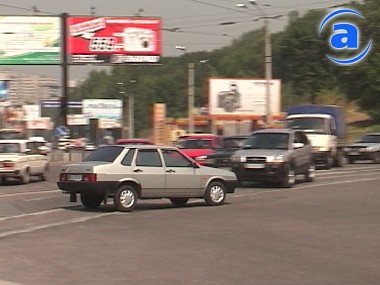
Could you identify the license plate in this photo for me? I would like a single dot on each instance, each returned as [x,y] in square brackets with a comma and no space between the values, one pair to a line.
[75,177]
[354,153]
[255,165]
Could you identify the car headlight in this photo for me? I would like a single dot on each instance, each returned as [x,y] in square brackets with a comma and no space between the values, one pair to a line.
[201,158]
[320,148]
[369,148]
[274,159]
[237,158]
[209,160]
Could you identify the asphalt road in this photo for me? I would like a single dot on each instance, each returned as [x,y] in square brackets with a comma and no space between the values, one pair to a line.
[325,232]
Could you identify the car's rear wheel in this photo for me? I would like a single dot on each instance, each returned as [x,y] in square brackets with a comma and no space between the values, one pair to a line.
[179,201]
[43,175]
[125,198]
[91,201]
[289,178]
[215,193]
[310,173]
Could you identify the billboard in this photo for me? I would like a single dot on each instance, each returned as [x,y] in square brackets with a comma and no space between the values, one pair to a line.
[231,97]
[113,40]
[30,40]
[102,108]
[31,112]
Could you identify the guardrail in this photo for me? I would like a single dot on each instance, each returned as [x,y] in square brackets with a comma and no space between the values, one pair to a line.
[67,156]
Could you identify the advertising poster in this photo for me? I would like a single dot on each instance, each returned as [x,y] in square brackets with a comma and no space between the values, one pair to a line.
[31,112]
[113,40]
[30,40]
[243,97]
[102,108]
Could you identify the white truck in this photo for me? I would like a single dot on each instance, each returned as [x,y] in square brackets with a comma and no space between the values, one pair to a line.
[325,127]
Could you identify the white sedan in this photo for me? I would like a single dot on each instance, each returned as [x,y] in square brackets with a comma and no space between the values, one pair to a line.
[21,159]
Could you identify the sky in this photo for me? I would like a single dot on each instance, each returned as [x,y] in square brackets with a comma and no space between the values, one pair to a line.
[197,25]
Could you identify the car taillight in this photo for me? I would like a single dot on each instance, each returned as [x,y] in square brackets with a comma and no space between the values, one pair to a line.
[89,177]
[63,177]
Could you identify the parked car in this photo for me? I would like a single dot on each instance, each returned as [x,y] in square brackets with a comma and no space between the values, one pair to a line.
[21,159]
[221,157]
[130,172]
[366,148]
[274,155]
[198,146]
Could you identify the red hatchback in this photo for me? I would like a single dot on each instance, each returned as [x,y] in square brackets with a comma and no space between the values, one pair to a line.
[198,146]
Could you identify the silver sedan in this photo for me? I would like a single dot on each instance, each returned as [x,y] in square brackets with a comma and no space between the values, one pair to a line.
[130,172]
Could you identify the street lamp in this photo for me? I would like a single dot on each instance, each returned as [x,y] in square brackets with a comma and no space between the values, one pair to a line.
[268,56]
[131,111]
[190,94]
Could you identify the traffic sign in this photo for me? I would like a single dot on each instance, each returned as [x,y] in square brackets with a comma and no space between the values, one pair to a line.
[61,131]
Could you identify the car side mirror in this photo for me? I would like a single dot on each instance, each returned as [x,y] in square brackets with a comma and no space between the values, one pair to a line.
[195,165]
[298,145]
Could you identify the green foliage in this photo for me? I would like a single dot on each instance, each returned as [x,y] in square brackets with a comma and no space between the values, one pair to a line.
[299,60]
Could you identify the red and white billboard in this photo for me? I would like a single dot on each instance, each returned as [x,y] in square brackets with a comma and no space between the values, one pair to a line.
[113,40]
[232,97]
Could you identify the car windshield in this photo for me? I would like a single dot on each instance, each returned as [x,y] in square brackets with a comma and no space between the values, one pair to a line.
[9,148]
[267,141]
[309,125]
[370,139]
[195,143]
[106,154]
[232,142]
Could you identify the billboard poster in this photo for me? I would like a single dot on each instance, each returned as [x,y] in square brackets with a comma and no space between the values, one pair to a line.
[31,112]
[102,108]
[243,97]
[30,40]
[113,40]
[4,90]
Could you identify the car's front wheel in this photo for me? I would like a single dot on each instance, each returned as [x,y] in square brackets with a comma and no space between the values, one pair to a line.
[91,200]
[215,193]
[25,178]
[179,201]
[376,157]
[125,198]
[310,172]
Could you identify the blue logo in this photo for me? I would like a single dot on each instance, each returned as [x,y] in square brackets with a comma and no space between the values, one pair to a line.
[345,37]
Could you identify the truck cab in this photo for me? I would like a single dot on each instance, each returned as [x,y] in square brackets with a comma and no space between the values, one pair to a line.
[324,127]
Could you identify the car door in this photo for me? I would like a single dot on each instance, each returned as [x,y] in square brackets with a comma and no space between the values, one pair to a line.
[182,178]
[302,153]
[149,171]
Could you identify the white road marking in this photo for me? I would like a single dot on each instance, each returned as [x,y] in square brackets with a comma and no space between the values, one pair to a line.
[31,214]
[311,185]
[51,225]
[28,193]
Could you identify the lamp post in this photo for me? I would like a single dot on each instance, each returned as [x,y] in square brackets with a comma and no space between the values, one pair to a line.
[190,94]
[131,111]
[268,56]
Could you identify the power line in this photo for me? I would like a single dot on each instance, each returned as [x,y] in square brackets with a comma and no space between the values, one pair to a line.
[32,9]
